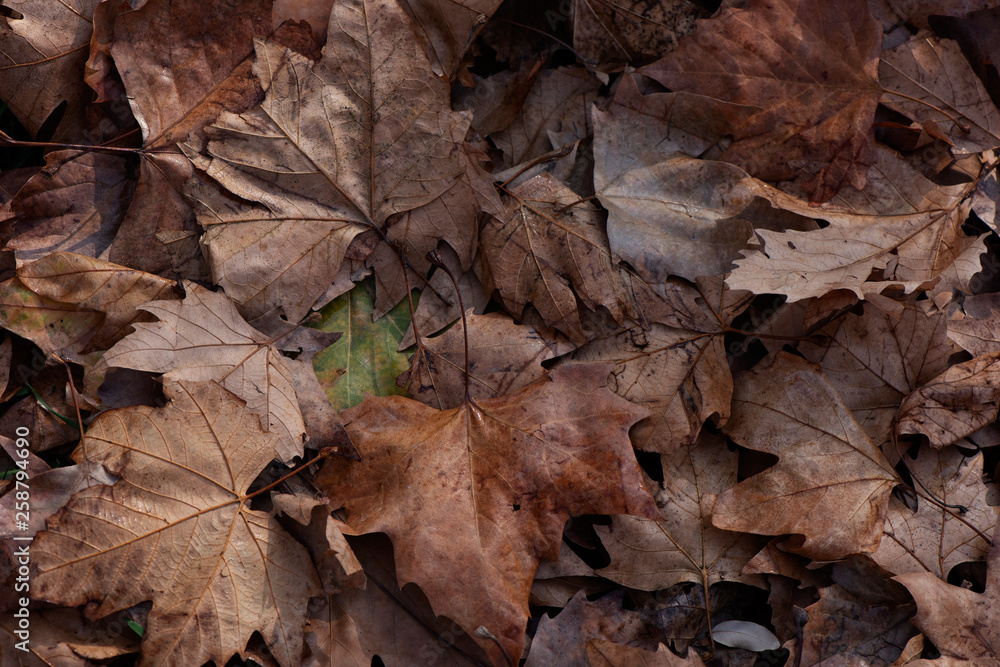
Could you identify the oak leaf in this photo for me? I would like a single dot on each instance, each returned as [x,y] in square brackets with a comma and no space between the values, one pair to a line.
[681,545]
[934,538]
[203,337]
[602,653]
[176,530]
[831,484]
[676,366]
[335,148]
[961,623]
[777,56]
[510,471]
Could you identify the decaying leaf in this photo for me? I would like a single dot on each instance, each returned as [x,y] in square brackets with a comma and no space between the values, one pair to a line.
[777,56]
[934,538]
[215,570]
[603,653]
[510,470]
[831,484]
[203,337]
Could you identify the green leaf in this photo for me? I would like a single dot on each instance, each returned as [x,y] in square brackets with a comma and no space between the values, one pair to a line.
[136,628]
[365,358]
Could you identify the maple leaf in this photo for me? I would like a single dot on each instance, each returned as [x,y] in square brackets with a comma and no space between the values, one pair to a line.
[175,530]
[549,250]
[831,484]
[203,337]
[935,538]
[811,68]
[510,471]
[676,367]
[681,545]
[958,621]
[602,653]
[335,148]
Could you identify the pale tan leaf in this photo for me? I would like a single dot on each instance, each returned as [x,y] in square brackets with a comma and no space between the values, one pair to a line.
[831,484]
[203,337]
[175,530]
[681,545]
[548,253]
[96,285]
[902,229]
[936,83]
[934,539]
[954,404]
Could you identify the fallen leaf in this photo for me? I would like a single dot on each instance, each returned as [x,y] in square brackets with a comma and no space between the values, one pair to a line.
[55,327]
[447,28]
[96,285]
[63,637]
[202,555]
[322,179]
[364,360]
[901,230]
[934,538]
[563,640]
[746,635]
[874,360]
[549,251]
[203,337]
[512,462]
[831,484]
[681,544]
[934,82]
[959,622]
[603,653]
[676,366]
[44,55]
[503,358]
[776,56]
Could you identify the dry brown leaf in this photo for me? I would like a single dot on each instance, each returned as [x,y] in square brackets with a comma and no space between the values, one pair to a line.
[44,55]
[955,404]
[203,337]
[902,229]
[635,31]
[979,332]
[64,638]
[676,368]
[554,113]
[777,56]
[563,640]
[918,11]
[961,623]
[936,83]
[74,204]
[602,653]
[874,360]
[858,620]
[549,251]
[447,28]
[176,530]
[55,327]
[934,538]
[503,358]
[681,545]
[309,182]
[831,484]
[509,470]
[96,285]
